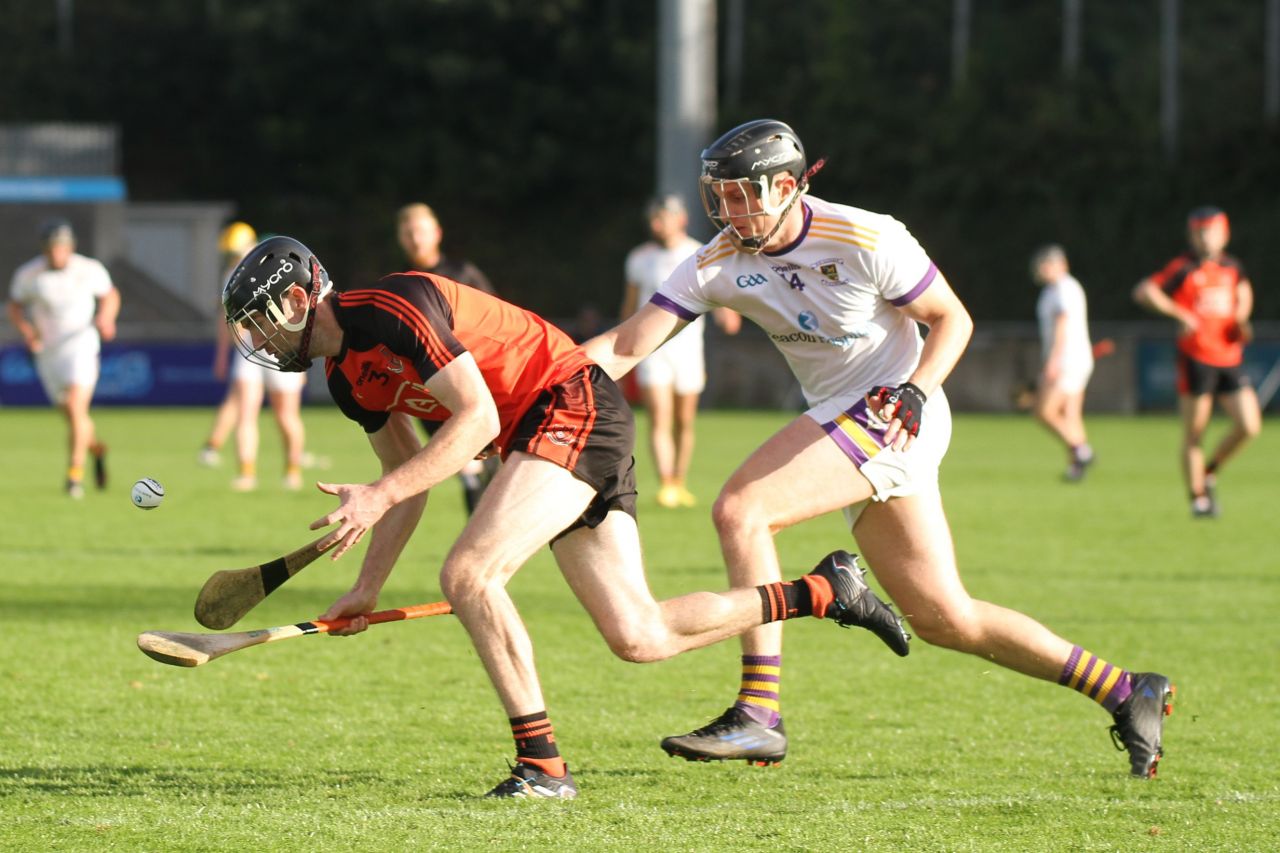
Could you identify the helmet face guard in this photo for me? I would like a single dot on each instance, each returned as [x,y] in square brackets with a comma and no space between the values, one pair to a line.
[254,297]
[751,199]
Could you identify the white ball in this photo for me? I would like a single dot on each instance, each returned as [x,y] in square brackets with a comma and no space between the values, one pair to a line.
[147,493]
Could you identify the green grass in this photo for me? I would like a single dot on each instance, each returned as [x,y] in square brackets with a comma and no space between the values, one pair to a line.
[383,741]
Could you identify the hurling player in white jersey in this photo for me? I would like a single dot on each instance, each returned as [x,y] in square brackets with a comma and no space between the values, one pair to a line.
[1066,356]
[840,291]
[672,379]
[64,305]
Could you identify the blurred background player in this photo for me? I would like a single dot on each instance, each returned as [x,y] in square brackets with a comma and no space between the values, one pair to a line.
[419,233]
[1066,354]
[242,406]
[65,305]
[672,379]
[1209,294]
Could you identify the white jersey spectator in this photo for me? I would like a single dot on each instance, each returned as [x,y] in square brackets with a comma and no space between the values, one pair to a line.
[64,305]
[1066,357]
[673,377]
[1064,297]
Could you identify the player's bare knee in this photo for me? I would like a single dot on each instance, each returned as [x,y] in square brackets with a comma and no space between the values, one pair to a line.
[733,512]
[460,585]
[636,643]
[945,628]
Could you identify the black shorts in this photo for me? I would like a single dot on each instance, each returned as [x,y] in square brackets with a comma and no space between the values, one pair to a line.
[585,425]
[1197,378]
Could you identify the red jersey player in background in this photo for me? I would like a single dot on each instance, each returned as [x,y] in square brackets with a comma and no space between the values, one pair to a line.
[1209,294]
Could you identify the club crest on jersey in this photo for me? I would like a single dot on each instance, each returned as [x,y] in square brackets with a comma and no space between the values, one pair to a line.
[832,270]
[391,361]
[561,435]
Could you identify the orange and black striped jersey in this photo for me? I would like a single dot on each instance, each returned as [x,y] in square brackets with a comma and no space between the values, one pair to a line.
[400,331]
[1210,290]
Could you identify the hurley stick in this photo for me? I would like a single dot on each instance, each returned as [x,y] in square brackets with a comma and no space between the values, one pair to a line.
[228,595]
[177,649]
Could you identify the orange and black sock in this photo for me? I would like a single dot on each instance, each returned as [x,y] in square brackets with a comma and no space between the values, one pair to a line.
[810,595]
[536,743]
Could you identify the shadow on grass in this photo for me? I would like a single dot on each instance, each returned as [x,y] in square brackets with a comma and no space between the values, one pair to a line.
[140,781]
[96,603]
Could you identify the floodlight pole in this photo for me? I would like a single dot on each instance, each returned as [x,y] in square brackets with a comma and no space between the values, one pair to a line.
[66,14]
[1271,84]
[961,14]
[686,95]
[1071,10]
[1169,77]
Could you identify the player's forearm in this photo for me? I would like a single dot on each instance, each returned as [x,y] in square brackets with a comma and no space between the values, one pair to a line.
[948,336]
[18,317]
[109,306]
[606,350]
[1244,302]
[462,437]
[389,536]
[1155,299]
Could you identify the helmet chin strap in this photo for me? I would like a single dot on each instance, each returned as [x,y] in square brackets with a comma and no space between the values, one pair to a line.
[300,360]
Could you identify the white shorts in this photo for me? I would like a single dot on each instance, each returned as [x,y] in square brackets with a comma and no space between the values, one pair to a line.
[892,473]
[677,364]
[71,363]
[1073,378]
[275,381]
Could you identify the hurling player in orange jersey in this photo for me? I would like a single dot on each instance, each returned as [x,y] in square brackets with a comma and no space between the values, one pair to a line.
[1209,294]
[419,346]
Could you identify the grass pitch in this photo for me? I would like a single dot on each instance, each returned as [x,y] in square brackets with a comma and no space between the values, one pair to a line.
[384,741]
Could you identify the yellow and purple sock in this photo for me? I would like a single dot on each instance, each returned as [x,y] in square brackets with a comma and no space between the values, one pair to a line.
[536,743]
[758,695]
[1089,674]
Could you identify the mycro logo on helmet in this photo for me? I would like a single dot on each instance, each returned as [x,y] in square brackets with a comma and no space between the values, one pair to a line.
[285,266]
[753,280]
[770,161]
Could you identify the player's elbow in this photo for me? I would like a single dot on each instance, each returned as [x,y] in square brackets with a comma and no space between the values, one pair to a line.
[483,422]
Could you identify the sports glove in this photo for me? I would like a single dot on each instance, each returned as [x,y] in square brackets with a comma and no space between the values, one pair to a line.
[906,403]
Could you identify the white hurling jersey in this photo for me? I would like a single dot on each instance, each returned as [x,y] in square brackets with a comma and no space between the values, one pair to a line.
[829,301]
[62,303]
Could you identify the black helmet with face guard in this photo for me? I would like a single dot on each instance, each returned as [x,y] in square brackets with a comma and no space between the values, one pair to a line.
[253,302]
[752,155]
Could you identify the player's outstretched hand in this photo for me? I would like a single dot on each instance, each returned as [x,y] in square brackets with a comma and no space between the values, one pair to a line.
[355,605]
[359,508]
[902,407]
